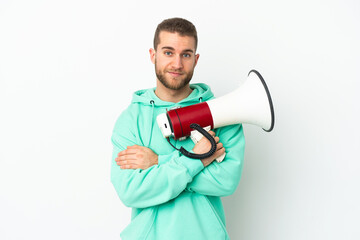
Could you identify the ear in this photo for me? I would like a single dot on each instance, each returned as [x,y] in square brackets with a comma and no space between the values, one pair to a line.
[152,55]
[196,58]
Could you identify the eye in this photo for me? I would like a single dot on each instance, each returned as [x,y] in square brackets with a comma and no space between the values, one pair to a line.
[168,53]
[186,55]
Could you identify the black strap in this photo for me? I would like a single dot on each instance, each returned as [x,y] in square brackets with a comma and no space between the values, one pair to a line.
[194,155]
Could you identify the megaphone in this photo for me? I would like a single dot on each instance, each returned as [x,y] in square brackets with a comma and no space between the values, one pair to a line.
[250,103]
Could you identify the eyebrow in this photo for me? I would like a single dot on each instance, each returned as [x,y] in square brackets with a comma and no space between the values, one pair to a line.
[171,48]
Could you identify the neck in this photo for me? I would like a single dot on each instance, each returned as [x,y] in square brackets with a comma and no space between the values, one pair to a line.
[169,95]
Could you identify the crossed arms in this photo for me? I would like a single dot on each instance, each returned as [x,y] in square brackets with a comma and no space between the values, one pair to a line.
[143,179]
[136,156]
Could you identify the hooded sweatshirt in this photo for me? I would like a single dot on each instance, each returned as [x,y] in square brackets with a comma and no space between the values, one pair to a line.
[178,198]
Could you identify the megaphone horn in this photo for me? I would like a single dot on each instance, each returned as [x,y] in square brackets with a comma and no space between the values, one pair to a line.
[250,103]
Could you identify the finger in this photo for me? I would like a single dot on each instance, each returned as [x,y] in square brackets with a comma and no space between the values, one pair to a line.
[219,152]
[127,152]
[126,157]
[212,133]
[126,163]
[129,166]
[129,149]
[219,146]
[217,139]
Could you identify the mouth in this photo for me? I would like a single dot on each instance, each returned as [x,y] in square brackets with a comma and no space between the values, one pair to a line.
[175,74]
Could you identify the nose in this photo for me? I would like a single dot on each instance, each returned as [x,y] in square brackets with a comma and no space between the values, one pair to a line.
[177,62]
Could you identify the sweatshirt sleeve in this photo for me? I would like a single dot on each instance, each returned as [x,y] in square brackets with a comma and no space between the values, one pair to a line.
[153,186]
[222,179]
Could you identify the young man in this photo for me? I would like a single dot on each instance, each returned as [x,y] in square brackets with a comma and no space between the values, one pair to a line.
[173,196]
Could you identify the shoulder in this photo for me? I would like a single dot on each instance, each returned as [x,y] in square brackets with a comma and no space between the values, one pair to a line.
[127,117]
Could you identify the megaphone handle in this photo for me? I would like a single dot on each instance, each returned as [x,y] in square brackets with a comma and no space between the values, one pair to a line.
[197,136]
[205,134]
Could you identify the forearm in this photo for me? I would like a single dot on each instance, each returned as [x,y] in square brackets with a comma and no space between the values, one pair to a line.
[222,179]
[217,180]
[155,185]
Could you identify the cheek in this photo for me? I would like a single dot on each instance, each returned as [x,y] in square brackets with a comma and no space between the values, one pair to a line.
[161,63]
[190,65]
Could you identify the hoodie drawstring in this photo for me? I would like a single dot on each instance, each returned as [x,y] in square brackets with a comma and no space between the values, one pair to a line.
[152,102]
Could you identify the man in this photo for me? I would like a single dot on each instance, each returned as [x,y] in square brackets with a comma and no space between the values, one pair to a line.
[173,196]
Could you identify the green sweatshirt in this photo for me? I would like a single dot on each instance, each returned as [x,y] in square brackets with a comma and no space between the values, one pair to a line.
[177,199]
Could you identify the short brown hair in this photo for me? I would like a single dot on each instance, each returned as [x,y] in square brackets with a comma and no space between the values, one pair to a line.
[176,25]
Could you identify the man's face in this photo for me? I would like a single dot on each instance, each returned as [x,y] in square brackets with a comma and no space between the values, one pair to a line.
[174,60]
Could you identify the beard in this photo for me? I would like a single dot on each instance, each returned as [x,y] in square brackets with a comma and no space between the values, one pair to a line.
[173,83]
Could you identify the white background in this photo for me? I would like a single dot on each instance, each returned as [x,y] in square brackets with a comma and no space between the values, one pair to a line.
[68,68]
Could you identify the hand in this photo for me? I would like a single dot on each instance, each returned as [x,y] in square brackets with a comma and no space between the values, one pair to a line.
[135,157]
[204,146]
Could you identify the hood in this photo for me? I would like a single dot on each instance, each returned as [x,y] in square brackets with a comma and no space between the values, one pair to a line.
[201,92]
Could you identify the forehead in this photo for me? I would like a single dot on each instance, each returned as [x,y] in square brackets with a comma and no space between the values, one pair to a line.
[176,41]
